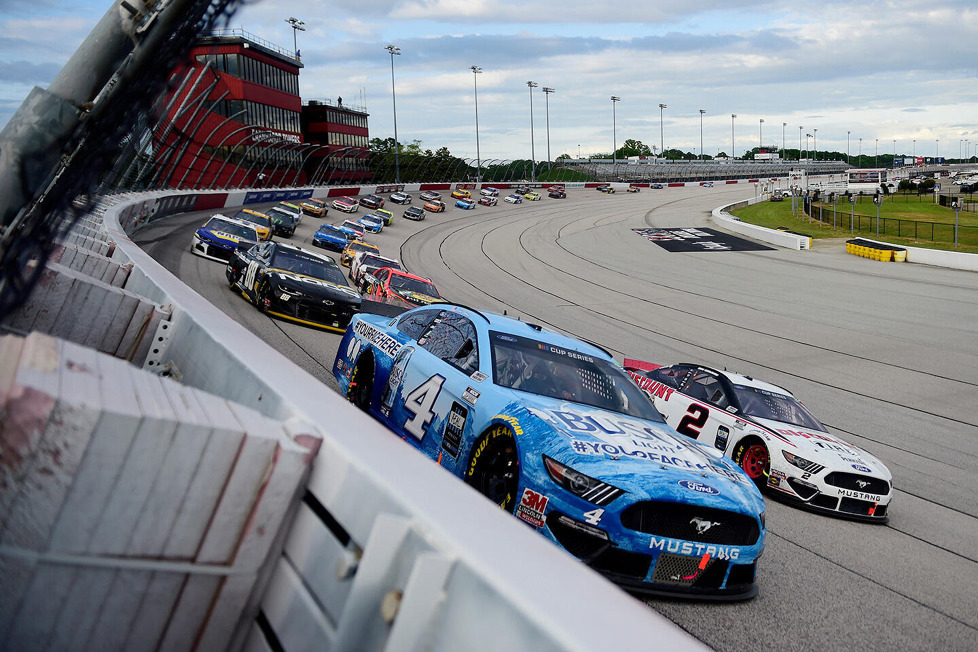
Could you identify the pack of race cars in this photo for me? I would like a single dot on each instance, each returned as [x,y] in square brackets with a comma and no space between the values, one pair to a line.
[650,474]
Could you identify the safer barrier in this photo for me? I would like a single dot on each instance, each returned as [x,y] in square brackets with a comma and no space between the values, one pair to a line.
[876,250]
[387,551]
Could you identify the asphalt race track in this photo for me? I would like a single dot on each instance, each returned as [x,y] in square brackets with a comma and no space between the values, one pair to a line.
[885,354]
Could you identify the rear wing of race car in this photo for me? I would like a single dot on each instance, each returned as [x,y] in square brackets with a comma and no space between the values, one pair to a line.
[381,308]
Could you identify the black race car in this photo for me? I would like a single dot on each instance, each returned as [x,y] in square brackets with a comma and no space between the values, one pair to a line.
[294,284]
[415,213]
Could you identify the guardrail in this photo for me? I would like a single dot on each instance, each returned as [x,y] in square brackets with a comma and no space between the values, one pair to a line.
[386,551]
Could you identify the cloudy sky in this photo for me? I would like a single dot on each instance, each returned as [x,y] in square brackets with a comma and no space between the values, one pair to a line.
[885,71]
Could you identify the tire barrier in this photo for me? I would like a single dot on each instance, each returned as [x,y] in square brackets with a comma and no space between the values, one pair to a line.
[876,250]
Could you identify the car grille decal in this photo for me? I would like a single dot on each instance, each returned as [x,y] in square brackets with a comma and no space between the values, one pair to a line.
[601,494]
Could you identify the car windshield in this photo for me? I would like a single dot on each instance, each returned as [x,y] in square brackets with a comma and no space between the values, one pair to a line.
[374,260]
[278,215]
[371,219]
[298,262]
[403,283]
[361,246]
[764,404]
[530,366]
[354,226]
[257,218]
[329,229]
[238,230]
[315,203]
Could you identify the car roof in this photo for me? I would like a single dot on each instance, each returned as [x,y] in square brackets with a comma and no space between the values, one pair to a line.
[315,254]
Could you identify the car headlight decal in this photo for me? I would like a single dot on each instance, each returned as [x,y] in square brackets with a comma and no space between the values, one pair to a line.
[802,463]
[592,490]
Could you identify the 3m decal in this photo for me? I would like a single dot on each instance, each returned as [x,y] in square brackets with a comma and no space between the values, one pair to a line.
[454,427]
[419,403]
[532,507]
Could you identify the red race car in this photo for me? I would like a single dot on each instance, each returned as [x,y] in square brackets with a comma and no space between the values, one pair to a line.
[399,288]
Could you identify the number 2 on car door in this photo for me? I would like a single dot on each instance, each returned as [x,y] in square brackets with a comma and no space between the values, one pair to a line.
[693,421]
[419,403]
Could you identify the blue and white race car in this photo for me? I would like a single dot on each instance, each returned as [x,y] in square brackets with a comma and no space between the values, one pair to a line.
[372,223]
[465,204]
[220,236]
[330,237]
[554,431]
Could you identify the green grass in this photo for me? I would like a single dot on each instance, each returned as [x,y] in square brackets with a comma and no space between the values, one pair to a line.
[922,223]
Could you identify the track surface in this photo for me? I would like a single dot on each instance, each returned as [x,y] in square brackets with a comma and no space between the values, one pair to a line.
[885,354]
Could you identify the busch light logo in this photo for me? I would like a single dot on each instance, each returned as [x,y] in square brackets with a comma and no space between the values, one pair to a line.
[862,469]
[698,487]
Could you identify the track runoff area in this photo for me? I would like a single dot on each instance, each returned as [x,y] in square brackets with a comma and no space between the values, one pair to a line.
[885,355]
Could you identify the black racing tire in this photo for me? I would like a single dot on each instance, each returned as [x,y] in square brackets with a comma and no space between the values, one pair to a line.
[754,458]
[493,468]
[361,383]
[261,296]
[232,280]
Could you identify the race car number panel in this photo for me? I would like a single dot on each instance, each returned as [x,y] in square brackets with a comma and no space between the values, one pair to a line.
[693,239]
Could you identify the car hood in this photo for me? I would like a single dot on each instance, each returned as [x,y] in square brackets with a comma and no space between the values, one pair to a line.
[418,298]
[825,449]
[220,237]
[645,458]
[315,286]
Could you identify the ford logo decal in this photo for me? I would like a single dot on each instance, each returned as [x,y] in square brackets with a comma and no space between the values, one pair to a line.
[864,469]
[698,487]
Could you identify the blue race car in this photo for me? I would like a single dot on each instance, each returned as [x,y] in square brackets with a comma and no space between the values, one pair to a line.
[330,237]
[465,204]
[553,430]
[220,237]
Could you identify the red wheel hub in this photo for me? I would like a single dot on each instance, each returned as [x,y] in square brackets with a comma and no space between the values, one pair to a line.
[754,462]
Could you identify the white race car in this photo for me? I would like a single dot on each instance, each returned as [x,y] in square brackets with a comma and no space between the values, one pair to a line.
[772,436]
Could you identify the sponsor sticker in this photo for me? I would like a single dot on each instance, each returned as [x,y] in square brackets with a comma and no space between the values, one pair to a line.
[862,469]
[723,434]
[454,426]
[532,507]
[478,376]
[699,487]
[381,341]
[860,495]
[471,395]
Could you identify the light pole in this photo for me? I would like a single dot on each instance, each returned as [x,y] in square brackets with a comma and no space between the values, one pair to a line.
[662,150]
[877,164]
[848,158]
[937,149]
[476,71]
[702,111]
[859,160]
[614,136]
[733,143]
[393,49]
[760,135]
[799,142]
[815,142]
[783,151]
[297,26]
[956,205]
[533,155]
[915,151]
[546,96]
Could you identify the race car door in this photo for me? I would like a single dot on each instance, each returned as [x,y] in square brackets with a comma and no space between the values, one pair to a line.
[699,407]
[431,399]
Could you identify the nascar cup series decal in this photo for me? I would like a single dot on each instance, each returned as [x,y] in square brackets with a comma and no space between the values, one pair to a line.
[618,438]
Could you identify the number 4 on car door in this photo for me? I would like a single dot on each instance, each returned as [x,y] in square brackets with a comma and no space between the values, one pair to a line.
[419,403]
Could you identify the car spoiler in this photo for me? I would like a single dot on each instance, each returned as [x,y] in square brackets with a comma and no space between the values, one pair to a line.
[631,364]
[381,308]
